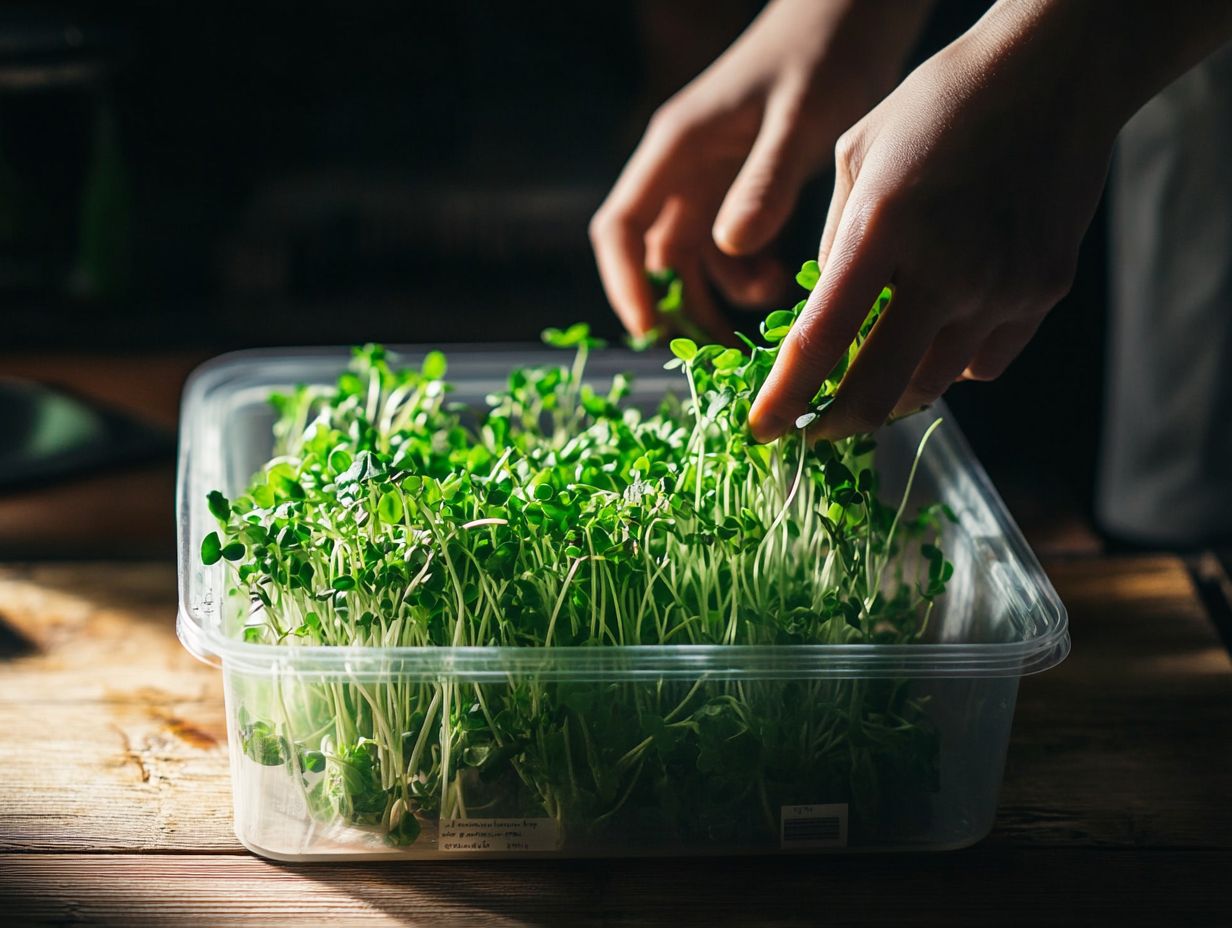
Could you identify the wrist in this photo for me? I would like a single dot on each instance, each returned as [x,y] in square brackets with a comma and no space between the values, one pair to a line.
[870,39]
[1043,60]
[1106,58]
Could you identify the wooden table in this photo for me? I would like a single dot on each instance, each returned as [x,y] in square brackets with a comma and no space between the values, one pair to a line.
[115,805]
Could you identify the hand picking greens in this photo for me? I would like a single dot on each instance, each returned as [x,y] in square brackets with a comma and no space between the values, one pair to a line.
[562,517]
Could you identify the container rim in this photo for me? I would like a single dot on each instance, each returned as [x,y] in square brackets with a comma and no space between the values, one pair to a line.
[196,631]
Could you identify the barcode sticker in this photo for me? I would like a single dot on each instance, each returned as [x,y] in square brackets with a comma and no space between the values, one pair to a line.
[813,826]
[497,835]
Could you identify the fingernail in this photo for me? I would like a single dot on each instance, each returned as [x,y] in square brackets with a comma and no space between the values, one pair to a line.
[903,414]
[766,427]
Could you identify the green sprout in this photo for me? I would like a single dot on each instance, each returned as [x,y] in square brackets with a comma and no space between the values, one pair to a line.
[561,516]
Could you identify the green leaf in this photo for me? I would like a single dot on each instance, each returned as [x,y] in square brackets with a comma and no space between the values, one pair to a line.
[780,318]
[661,278]
[404,831]
[234,551]
[261,743]
[683,348]
[719,402]
[263,495]
[389,507]
[339,461]
[646,340]
[220,508]
[809,274]
[286,486]
[211,549]
[673,300]
[575,335]
[731,358]
[434,365]
[669,289]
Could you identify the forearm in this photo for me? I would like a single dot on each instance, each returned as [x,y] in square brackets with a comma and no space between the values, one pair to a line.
[1115,54]
[870,39]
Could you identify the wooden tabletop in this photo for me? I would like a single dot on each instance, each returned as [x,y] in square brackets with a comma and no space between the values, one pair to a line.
[115,804]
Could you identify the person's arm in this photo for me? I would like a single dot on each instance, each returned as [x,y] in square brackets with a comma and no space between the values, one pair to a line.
[969,189]
[721,164]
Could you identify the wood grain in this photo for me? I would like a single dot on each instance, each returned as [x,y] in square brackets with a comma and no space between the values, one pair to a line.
[1127,743]
[1069,886]
[115,737]
[115,806]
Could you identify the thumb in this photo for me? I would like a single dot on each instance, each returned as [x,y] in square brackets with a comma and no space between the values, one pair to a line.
[764,192]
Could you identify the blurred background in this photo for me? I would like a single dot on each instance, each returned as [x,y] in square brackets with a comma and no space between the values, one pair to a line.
[179,180]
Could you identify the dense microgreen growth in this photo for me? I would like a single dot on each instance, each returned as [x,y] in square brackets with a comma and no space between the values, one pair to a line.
[390,516]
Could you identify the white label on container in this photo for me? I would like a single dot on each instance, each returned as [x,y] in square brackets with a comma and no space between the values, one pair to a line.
[813,826]
[497,835]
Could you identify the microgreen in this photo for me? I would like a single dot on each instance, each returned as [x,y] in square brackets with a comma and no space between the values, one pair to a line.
[389,516]
[670,301]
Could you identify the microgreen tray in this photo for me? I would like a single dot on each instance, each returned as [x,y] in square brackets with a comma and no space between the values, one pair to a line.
[912,734]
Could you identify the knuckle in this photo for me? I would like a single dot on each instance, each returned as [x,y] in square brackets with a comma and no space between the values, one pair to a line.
[1039,281]
[661,119]
[847,151]
[809,346]
[845,148]
[598,227]
[867,215]
[603,224]
[671,124]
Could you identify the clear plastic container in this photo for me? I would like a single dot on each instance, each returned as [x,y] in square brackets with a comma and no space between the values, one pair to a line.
[933,789]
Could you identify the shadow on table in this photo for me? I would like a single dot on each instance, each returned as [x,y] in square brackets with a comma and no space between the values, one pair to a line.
[752,891]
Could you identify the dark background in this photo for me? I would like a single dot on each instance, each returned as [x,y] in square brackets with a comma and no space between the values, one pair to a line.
[179,177]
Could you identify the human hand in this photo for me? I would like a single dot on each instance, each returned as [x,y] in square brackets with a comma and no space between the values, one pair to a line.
[968,189]
[721,164]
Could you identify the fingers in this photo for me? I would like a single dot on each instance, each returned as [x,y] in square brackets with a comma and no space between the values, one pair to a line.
[618,229]
[678,240]
[947,357]
[843,183]
[620,255]
[748,282]
[699,304]
[881,371]
[765,190]
[1001,347]
[856,271]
